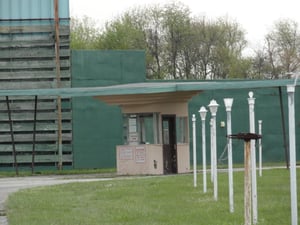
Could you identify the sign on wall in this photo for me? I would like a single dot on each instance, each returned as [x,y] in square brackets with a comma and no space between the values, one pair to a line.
[140,155]
[133,153]
[126,154]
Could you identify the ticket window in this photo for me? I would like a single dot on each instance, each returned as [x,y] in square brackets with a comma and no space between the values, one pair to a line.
[182,130]
[141,128]
[144,128]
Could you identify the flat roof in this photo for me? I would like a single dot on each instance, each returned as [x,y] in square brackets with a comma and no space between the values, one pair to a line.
[149,88]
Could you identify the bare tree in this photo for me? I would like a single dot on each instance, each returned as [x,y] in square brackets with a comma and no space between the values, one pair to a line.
[283,48]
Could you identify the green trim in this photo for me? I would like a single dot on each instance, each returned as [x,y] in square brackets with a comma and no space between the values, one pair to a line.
[147,88]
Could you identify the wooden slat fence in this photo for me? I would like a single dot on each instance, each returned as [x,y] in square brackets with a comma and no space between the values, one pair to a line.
[27,61]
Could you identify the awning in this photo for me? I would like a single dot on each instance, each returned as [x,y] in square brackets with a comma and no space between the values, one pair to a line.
[148,91]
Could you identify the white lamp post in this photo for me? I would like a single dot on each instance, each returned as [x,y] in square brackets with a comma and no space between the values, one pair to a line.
[292,147]
[194,151]
[251,102]
[203,112]
[228,104]
[211,151]
[213,107]
[260,148]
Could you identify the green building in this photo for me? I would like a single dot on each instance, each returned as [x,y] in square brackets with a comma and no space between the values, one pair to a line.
[39,84]
[98,128]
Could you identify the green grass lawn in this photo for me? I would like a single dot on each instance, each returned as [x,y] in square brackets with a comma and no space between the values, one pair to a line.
[164,200]
[100,172]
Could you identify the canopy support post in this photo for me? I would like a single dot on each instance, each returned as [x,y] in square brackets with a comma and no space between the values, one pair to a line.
[12,136]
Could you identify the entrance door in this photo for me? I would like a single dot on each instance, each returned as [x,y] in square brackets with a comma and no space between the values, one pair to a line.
[169,143]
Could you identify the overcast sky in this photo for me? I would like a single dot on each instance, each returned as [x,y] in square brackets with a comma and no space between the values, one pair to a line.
[255,16]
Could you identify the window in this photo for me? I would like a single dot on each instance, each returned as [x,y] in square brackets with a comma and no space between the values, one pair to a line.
[182,130]
[141,128]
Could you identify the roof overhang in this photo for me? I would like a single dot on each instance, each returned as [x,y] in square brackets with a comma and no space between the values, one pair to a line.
[149,92]
[151,98]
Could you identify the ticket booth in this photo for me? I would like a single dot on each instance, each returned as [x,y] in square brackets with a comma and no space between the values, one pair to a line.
[155,133]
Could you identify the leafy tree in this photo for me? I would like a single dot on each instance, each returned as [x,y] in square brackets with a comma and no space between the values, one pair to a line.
[123,33]
[83,33]
[216,49]
[177,46]
[136,29]
[227,52]
[153,31]
[202,41]
[176,24]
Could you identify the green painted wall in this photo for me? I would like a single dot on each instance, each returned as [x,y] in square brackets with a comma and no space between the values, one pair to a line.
[97,127]
[267,109]
[104,68]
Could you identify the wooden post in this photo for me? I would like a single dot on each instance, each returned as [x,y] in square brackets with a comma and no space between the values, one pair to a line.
[57,57]
[247,137]
[12,136]
[34,134]
[247,183]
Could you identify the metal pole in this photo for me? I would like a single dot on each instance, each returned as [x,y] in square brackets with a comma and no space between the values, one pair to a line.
[211,151]
[251,102]
[260,147]
[285,143]
[58,80]
[204,156]
[203,112]
[228,104]
[292,147]
[247,183]
[213,106]
[194,151]
[215,158]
